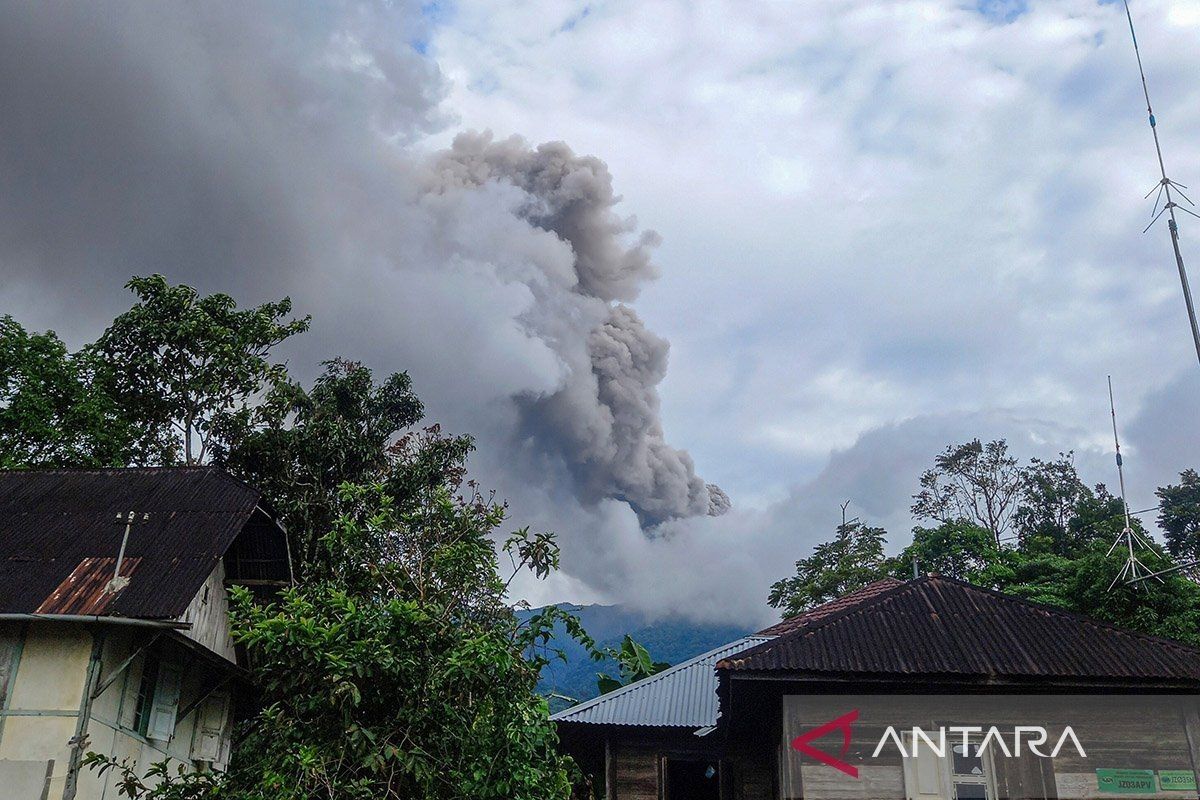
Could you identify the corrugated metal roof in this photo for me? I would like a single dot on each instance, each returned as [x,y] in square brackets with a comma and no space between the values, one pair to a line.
[939,626]
[684,695]
[55,524]
[833,606]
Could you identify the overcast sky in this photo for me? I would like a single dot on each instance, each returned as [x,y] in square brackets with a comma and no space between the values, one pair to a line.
[864,229]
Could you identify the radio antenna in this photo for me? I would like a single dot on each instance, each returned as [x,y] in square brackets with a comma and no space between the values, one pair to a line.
[1133,570]
[1166,188]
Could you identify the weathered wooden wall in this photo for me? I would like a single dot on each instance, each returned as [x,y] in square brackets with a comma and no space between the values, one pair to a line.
[636,774]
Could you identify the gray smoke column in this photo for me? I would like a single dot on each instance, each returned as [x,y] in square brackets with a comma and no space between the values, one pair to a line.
[604,419]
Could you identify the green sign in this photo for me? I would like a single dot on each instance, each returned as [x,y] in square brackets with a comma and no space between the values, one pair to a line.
[1177,780]
[1126,781]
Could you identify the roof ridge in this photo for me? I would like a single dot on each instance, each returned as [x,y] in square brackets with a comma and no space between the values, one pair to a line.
[1066,612]
[1180,648]
[886,579]
[656,677]
[823,622]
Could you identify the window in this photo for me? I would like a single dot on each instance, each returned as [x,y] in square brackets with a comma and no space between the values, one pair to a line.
[145,695]
[963,771]
[211,730]
[968,772]
[692,780]
[157,699]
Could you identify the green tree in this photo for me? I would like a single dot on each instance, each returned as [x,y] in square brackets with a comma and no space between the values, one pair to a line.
[959,549]
[633,664]
[394,668]
[1081,583]
[186,365]
[299,447]
[53,413]
[973,482]
[853,558]
[1052,492]
[399,673]
[1179,515]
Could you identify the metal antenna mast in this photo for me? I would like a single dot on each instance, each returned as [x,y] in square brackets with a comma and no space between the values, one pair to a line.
[1169,188]
[1134,569]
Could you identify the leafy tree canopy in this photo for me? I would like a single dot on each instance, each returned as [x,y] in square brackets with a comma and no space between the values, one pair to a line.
[184,364]
[1180,515]
[1036,531]
[52,411]
[394,668]
[853,558]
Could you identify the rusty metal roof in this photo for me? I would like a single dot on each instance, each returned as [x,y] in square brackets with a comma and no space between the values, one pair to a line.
[833,606]
[937,626]
[60,536]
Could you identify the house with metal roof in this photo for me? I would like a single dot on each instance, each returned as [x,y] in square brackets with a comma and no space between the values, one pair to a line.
[905,691]
[114,620]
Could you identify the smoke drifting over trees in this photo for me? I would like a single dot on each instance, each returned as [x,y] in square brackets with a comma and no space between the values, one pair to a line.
[263,150]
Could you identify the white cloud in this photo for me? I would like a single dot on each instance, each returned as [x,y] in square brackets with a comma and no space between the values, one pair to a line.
[871,213]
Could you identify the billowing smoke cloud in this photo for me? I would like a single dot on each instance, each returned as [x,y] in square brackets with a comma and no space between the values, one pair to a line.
[604,419]
[263,150]
[271,148]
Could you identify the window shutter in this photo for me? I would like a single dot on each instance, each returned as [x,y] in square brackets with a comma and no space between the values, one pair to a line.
[166,703]
[210,728]
[922,773]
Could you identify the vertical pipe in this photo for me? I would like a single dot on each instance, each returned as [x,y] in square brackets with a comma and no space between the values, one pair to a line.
[1183,280]
[79,740]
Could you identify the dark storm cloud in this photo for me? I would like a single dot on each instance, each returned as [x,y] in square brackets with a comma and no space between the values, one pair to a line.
[196,139]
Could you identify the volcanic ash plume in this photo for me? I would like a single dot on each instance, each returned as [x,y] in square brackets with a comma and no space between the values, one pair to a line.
[604,418]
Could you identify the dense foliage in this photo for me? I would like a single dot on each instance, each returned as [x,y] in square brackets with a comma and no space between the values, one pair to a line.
[1180,515]
[52,411]
[1034,531]
[853,558]
[394,668]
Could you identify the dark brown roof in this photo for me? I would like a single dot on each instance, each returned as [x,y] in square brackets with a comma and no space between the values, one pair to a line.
[935,626]
[833,606]
[59,537]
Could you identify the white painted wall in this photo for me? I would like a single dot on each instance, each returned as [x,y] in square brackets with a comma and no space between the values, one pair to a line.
[39,713]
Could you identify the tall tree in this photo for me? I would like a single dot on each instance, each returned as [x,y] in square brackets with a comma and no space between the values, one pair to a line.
[184,363]
[395,668]
[853,558]
[974,482]
[398,672]
[53,413]
[1051,493]
[300,446]
[1179,515]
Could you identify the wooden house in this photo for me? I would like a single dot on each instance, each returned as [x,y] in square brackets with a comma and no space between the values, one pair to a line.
[114,624]
[913,690]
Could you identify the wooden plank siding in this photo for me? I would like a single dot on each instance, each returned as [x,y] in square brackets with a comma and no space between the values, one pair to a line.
[636,774]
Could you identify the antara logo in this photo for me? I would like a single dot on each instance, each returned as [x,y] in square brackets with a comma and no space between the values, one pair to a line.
[1033,737]
[801,743]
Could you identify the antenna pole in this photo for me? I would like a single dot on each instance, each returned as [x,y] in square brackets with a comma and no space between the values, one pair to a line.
[1112,408]
[1133,570]
[1164,188]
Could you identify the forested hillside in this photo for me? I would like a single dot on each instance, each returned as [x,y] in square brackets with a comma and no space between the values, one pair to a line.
[670,639]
